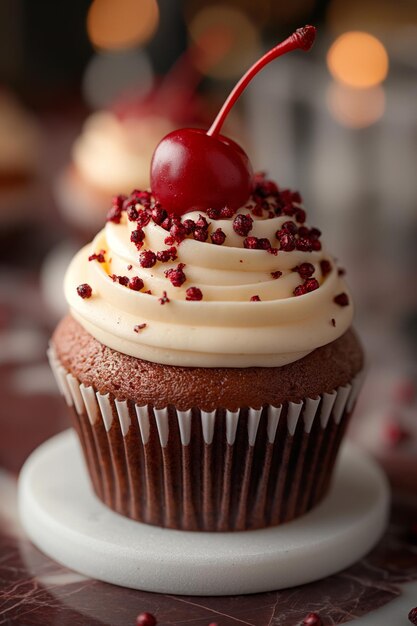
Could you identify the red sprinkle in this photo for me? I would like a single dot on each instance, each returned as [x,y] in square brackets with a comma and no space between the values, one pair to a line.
[135,283]
[305,270]
[137,236]
[200,234]
[146,619]
[143,218]
[84,291]
[412,616]
[139,327]
[255,299]
[218,237]
[129,267]
[304,244]
[290,227]
[251,243]
[147,258]
[326,267]
[193,293]
[286,240]
[99,256]
[132,214]
[213,214]
[312,619]
[176,275]
[300,216]
[242,224]
[226,213]
[276,274]
[311,284]
[189,226]
[158,214]
[164,299]
[167,255]
[178,232]
[300,290]
[341,299]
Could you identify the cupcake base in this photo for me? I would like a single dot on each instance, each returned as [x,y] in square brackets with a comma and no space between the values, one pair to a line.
[65,520]
[208,471]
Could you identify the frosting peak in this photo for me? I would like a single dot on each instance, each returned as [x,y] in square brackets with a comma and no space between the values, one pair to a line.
[210,290]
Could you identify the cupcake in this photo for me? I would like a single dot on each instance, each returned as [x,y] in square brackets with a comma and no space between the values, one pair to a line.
[208,356]
[111,155]
[19,157]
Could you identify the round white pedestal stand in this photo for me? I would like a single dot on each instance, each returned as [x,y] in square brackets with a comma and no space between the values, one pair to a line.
[67,522]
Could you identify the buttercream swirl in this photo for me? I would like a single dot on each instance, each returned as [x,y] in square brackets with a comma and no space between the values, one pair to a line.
[225,328]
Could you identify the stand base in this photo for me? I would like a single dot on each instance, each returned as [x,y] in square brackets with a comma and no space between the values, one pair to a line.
[65,520]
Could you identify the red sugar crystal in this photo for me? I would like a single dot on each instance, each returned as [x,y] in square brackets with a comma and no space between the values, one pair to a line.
[226,213]
[135,283]
[315,245]
[167,255]
[193,293]
[314,233]
[286,240]
[114,215]
[139,327]
[303,244]
[146,619]
[251,243]
[158,214]
[99,256]
[202,222]
[300,290]
[312,619]
[189,226]
[147,258]
[129,267]
[255,299]
[176,275]
[143,218]
[200,234]
[341,299]
[276,274]
[311,284]
[178,232]
[305,270]
[412,616]
[290,227]
[218,237]
[326,267]
[300,216]
[213,214]
[164,299]
[242,224]
[137,236]
[264,243]
[84,291]
[132,214]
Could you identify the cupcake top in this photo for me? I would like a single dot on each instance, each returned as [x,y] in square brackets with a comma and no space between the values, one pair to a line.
[113,154]
[220,288]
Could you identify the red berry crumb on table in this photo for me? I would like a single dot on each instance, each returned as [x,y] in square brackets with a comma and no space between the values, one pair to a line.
[146,619]
[412,616]
[312,619]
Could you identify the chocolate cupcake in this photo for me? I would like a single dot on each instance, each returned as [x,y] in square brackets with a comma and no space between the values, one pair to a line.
[208,355]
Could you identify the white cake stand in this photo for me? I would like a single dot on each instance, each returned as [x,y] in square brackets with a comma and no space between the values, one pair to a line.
[66,521]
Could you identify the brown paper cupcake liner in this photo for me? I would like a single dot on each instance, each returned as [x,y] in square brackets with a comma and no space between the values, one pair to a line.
[214,471]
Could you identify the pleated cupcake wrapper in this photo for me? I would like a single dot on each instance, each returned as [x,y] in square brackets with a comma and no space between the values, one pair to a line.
[217,471]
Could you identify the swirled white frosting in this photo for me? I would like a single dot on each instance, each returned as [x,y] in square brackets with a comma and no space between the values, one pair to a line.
[225,328]
[113,154]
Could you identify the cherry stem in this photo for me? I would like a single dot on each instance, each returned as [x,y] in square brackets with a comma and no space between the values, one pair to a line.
[303,39]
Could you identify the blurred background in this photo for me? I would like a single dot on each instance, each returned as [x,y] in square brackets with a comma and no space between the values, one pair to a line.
[88,88]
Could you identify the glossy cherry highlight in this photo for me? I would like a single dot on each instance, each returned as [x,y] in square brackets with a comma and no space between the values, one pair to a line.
[193,169]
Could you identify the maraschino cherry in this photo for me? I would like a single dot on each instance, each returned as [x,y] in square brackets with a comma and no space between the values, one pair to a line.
[194,169]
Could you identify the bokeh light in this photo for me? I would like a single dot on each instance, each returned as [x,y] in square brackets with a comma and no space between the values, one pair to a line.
[358,59]
[356,108]
[108,74]
[121,24]
[237,36]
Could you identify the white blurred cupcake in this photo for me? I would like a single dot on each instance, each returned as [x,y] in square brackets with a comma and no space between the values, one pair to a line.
[111,155]
[20,140]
